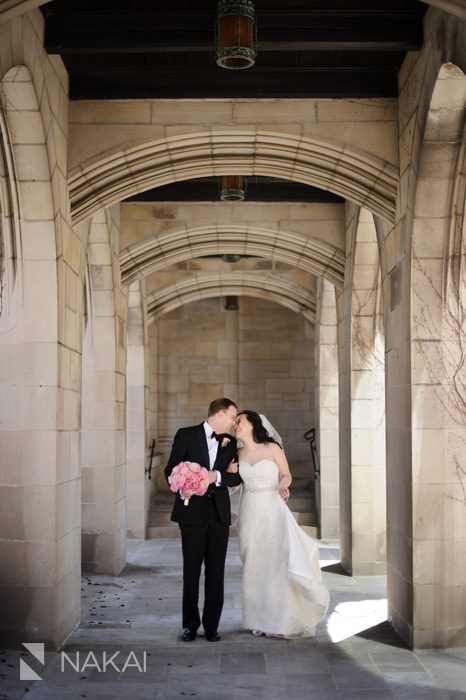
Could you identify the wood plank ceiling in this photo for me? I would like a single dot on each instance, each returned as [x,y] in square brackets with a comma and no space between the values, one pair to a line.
[154,49]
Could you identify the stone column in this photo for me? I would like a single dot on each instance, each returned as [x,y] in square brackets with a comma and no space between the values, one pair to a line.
[438,372]
[103,407]
[137,392]
[367,405]
[153,417]
[39,381]
[326,363]
[362,404]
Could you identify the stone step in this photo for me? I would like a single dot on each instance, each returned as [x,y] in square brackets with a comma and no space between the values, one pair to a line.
[161,516]
[155,532]
[304,518]
[171,531]
[312,530]
[163,498]
[160,512]
[302,484]
[301,503]
[300,498]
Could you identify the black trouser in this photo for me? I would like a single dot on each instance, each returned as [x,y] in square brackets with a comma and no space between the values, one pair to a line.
[204,543]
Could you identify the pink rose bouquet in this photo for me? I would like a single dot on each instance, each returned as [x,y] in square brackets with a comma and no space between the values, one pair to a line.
[189,476]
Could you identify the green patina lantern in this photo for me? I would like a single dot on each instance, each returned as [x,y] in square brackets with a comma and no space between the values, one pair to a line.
[236,34]
[232,188]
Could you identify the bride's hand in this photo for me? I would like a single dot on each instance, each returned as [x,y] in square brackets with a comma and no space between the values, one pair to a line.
[284,493]
[232,467]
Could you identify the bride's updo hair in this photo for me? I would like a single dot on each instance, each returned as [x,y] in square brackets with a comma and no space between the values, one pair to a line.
[259,433]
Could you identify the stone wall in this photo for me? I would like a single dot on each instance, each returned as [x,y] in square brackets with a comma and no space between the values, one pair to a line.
[260,356]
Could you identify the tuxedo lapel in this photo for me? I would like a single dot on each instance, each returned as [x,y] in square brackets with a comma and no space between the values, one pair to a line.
[201,436]
[220,453]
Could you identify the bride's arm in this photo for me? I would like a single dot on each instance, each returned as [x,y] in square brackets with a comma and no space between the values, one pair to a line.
[284,472]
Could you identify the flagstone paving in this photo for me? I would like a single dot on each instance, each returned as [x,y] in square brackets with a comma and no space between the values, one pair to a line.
[355,655]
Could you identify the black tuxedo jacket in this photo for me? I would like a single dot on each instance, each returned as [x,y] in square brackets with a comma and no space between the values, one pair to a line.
[190,444]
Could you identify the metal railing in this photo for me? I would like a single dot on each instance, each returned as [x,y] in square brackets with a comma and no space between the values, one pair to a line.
[310,436]
[150,458]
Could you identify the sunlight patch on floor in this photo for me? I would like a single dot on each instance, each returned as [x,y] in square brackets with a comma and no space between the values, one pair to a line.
[351,617]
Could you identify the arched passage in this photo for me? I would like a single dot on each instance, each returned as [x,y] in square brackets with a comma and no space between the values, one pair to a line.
[260,354]
[354,174]
[179,244]
[208,286]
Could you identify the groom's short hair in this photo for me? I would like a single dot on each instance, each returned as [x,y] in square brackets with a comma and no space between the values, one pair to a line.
[218,405]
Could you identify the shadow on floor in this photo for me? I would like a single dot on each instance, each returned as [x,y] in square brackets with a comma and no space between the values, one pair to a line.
[336,568]
[383,633]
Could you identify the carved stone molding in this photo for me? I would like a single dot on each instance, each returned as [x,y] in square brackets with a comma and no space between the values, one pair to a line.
[13,8]
[356,175]
[254,284]
[179,244]
[454,7]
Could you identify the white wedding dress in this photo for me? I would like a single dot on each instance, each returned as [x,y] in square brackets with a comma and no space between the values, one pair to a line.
[283,591]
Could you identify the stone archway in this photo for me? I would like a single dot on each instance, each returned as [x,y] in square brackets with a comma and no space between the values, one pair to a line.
[354,174]
[182,244]
[252,284]
[13,8]
[455,7]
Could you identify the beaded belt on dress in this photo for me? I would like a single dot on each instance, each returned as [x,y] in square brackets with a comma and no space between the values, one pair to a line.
[260,489]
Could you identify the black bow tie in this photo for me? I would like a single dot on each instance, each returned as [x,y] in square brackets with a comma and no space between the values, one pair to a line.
[215,436]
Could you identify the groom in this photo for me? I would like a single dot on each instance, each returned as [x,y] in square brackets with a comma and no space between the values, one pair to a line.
[205,522]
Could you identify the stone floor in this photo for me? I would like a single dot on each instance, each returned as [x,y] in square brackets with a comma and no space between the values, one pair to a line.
[355,654]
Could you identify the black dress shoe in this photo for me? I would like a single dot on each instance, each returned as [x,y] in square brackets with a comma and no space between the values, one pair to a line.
[212,636]
[189,635]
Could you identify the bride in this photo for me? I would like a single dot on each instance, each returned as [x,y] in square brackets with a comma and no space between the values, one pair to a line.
[283,594]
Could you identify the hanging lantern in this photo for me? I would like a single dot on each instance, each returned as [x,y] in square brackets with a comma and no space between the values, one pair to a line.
[231,303]
[232,188]
[236,34]
[231,258]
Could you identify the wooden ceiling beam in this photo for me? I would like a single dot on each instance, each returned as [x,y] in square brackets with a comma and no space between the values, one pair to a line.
[77,27]
[384,38]
[320,84]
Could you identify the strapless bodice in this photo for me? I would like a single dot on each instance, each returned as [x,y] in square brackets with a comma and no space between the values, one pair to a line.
[260,476]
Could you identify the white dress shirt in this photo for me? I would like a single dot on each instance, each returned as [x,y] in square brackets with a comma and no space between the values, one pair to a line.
[213,445]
